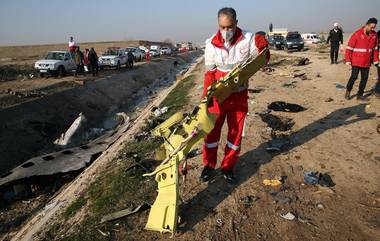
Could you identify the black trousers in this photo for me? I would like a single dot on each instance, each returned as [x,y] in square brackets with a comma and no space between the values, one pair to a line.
[377,86]
[94,69]
[364,72]
[334,51]
[130,63]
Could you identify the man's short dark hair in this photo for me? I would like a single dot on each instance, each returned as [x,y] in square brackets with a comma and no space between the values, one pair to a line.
[372,20]
[227,11]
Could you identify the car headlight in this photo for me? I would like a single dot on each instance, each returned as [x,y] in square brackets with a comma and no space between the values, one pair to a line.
[112,61]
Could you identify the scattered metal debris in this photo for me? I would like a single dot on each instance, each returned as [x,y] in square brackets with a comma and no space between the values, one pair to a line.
[277,123]
[339,86]
[124,213]
[219,222]
[311,178]
[248,200]
[288,216]
[290,85]
[314,178]
[255,90]
[320,206]
[304,220]
[67,160]
[272,182]
[194,153]
[282,199]
[286,107]
[26,94]
[65,138]
[329,99]
[160,111]
[268,69]
[303,61]
[298,75]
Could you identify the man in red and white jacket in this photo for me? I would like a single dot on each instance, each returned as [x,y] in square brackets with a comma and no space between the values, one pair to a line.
[361,52]
[224,50]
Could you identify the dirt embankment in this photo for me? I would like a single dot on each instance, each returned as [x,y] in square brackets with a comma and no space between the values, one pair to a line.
[28,129]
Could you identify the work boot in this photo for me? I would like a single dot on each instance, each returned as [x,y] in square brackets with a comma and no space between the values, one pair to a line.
[347,95]
[361,97]
[207,174]
[229,176]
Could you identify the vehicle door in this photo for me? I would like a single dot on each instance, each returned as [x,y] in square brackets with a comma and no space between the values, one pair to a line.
[123,56]
[69,62]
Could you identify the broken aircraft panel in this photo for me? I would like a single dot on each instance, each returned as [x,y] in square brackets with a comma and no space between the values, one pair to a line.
[67,160]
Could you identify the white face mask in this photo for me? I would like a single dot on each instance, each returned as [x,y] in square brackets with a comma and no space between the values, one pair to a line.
[227,35]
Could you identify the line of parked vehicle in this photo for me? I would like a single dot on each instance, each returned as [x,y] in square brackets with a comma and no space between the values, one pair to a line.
[292,41]
[58,63]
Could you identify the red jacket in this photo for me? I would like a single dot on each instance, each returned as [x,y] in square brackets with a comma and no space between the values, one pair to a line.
[253,44]
[261,43]
[362,49]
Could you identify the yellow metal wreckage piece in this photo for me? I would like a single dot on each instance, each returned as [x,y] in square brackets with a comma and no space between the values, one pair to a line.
[182,133]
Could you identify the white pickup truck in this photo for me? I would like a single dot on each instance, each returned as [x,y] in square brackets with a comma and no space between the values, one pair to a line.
[113,57]
[55,63]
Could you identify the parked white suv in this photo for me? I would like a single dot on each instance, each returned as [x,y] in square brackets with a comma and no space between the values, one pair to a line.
[166,51]
[137,53]
[113,57]
[155,51]
[55,63]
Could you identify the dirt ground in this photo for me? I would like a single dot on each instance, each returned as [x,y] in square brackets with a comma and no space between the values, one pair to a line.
[333,136]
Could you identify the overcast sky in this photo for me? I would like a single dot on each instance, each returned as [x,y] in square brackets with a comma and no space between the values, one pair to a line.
[49,21]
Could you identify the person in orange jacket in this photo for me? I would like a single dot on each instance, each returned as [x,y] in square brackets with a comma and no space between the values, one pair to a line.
[361,52]
[227,48]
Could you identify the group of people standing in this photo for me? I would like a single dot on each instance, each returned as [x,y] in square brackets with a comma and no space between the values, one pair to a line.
[84,60]
[361,52]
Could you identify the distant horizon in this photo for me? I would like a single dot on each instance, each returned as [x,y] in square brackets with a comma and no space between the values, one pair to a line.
[43,22]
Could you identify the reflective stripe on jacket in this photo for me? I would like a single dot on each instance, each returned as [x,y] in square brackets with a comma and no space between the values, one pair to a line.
[362,49]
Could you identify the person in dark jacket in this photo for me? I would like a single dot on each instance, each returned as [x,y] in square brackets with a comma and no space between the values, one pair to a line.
[130,59]
[377,86]
[93,59]
[335,38]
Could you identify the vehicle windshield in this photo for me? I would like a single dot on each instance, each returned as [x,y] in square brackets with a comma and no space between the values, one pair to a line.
[55,55]
[112,52]
[278,37]
[293,36]
[130,50]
